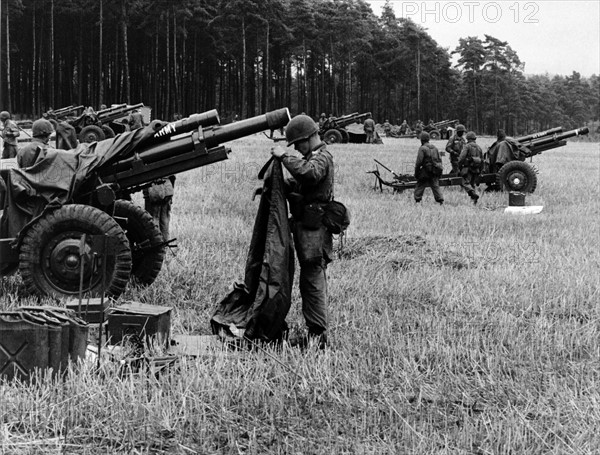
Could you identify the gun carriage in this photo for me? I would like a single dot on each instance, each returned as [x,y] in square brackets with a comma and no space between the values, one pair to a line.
[515,175]
[334,129]
[49,232]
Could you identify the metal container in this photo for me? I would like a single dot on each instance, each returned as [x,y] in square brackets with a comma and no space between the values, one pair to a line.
[144,322]
[23,345]
[516,199]
[90,309]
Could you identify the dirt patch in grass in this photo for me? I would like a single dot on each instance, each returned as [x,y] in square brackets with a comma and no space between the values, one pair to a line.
[403,251]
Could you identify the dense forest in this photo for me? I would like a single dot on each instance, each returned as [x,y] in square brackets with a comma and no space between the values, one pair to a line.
[244,57]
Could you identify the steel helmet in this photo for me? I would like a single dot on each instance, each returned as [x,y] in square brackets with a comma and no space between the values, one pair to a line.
[424,136]
[41,127]
[4,115]
[300,128]
[471,136]
[460,128]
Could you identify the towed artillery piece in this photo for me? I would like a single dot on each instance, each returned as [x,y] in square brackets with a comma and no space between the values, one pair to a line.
[334,129]
[68,224]
[514,175]
[96,126]
[437,130]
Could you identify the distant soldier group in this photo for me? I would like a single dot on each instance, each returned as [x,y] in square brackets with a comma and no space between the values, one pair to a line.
[466,159]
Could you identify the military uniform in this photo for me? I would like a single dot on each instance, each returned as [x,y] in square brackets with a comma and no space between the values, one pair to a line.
[427,156]
[369,129]
[136,121]
[387,128]
[454,147]
[10,132]
[158,200]
[470,163]
[309,189]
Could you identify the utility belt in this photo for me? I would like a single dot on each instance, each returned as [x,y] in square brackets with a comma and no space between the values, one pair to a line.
[309,214]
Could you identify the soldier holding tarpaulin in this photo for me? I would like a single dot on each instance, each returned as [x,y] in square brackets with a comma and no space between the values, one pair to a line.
[308,191]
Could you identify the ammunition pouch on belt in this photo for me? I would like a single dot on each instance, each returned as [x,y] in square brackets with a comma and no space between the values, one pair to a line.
[313,215]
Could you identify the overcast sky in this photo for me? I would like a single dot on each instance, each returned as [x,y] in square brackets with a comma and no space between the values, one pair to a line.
[557,37]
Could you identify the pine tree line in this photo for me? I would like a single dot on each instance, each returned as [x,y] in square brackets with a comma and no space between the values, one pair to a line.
[245,57]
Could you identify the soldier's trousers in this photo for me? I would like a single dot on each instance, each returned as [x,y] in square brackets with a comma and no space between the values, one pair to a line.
[313,289]
[469,181]
[9,151]
[434,184]
[161,212]
[454,163]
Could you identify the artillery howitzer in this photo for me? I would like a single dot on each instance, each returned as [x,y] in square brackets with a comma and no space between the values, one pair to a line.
[95,126]
[439,129]
[334,130]
[53,239]
[515,175]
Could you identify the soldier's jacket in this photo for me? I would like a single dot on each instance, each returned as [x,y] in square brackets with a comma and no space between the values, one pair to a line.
[471,158]
[369,125]
[311,185]
[312,175]
[427,157]
[455,145]
[10,132]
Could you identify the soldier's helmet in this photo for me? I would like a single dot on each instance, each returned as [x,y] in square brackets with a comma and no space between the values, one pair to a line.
[460,128]
[41,127]
[501,135]
[471,136]
[424,136]
[4,115]
[323,114]
[300,128]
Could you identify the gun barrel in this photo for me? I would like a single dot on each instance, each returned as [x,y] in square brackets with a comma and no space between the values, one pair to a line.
[536,144]
[106,116]
[533,136]
[213,137]
[191,123]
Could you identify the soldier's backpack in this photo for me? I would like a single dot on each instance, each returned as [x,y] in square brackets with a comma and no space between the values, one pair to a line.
[433,167]
[336,217]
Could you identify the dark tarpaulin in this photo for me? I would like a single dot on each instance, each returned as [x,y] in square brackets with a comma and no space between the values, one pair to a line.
[261,304]
[54,180]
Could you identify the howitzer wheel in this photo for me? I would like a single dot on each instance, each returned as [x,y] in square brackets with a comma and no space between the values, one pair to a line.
[145,240]
[434,134]
[108,132]
[517,176]
[91,133]
[333,137]
[50,261]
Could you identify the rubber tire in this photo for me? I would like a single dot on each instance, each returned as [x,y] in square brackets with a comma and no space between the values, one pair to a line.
[68,223]
[517,176]
[434,134]
[147,263]
[91,133]
[345,136]
[333,136]
[108,132]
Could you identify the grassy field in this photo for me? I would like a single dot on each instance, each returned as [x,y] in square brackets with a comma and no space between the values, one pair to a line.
[454,330]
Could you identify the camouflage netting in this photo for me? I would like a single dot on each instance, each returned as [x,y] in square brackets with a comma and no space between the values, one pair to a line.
[402,252]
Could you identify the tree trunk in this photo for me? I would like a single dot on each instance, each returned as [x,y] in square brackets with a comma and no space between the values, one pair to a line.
[100,52]
[52,100]
[8,87]
[33,69]
[244,110]
[126,94]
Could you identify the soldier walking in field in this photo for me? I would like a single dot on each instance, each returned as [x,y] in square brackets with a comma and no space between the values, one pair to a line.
[428,169]
[454,147]
[309,190]
[470,163]
[9,132]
